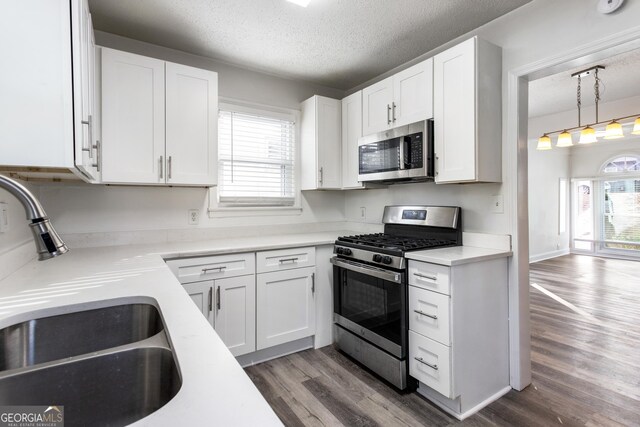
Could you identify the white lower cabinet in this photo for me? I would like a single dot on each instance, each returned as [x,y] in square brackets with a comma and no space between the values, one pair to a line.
[458,333]
[235,314]
[285,306]
[202,295]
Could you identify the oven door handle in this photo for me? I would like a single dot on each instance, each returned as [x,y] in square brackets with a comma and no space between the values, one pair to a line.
[371,271]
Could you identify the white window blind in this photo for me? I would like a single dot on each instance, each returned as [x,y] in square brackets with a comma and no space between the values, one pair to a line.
[255,160]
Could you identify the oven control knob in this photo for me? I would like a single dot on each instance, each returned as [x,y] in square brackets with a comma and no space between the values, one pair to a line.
[377,258]
[346,251]
[340,251]
[387,260]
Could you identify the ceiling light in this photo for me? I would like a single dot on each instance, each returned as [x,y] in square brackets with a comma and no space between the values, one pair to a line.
[564,139]
[588,136]
[613,130]
[636,127]
[544,143]
[303,3]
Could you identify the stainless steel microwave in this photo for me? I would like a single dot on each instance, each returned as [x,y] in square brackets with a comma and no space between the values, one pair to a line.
[404,153]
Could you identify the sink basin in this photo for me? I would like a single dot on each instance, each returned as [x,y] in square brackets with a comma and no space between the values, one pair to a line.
[58,337]
[112,389]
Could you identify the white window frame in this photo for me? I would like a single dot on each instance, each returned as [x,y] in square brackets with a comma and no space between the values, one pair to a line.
[216,210]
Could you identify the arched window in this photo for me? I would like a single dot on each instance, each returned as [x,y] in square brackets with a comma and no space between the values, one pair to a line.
[622,164]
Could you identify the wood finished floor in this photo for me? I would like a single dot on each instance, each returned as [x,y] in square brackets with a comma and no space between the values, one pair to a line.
[586,364]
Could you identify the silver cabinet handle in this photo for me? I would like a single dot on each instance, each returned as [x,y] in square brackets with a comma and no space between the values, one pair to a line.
[218,303]
[422,313]
[321,176]
[313,283]
[293,260]
[169,168]
[161,166]
[89,123]
[421,360]
[210,299]
[98,163]
[388,114]
[394,111]
[218,269]
[425,276]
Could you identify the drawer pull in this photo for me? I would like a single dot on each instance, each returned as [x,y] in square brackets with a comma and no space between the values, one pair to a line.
[421,360]
[425,276]
[292,260]
[218,269]
[422,313]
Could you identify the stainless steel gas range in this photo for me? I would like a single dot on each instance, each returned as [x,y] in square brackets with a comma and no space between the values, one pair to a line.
[370,302]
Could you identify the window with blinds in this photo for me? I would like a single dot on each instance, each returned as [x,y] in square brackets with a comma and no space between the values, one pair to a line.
[256,159]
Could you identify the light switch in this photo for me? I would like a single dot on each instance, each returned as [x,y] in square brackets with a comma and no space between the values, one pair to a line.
[497,204]
[4,217]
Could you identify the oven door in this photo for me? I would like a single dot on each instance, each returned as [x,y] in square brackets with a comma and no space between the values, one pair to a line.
[372,303]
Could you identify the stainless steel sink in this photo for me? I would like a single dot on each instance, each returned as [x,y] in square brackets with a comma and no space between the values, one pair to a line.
[57,337]
[110,390]
[108,366]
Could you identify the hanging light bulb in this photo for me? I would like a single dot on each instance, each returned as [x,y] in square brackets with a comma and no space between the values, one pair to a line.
[636,127]
[613,130]
[587,135]
[564,139]
[544,143]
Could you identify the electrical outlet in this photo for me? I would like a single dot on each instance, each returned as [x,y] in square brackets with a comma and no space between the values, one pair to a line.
[4,217]
[497,204]
[194,216]
[363,213]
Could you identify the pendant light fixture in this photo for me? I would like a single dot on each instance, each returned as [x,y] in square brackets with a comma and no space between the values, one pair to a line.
[636,127]
[588,134]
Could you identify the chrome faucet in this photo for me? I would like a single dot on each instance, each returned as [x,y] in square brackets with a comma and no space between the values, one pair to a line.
[48,243]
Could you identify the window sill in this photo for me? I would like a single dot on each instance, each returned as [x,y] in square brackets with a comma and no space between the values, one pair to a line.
[254,211]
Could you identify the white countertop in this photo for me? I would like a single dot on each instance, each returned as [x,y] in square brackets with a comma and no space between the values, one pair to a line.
[215,389]
[457,255]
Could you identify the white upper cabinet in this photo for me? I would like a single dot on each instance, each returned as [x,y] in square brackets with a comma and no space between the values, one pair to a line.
[413,94]
[191,125]
[467,113]
[133,125]
[376,106]
[45,86]
[403,98]
[351,132]
[320,145]
[141,98]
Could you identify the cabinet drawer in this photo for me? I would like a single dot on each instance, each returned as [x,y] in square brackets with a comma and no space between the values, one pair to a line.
[285,259]
[432,277]
[214,267]
[430,363]
[429,314]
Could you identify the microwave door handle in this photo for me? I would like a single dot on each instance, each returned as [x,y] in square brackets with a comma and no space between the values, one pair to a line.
[401,153]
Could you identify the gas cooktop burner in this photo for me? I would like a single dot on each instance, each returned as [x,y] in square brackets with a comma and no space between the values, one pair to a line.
[394,243]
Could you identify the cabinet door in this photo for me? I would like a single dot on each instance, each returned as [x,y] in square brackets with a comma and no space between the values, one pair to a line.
[413,94]
[133,138]
[351,132]
[235,313]
[192,125]
[376,106]
[83,93]
[285,306]
[202,295]
[329,143]
[455,113]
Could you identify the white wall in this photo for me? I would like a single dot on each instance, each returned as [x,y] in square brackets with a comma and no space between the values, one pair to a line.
[82,208]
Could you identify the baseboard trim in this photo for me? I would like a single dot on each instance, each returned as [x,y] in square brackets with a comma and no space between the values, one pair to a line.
[549,255]
[466,414]
[274,352]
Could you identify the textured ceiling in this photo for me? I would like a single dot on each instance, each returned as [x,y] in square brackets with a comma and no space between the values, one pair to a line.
[338,43]
[557,93]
